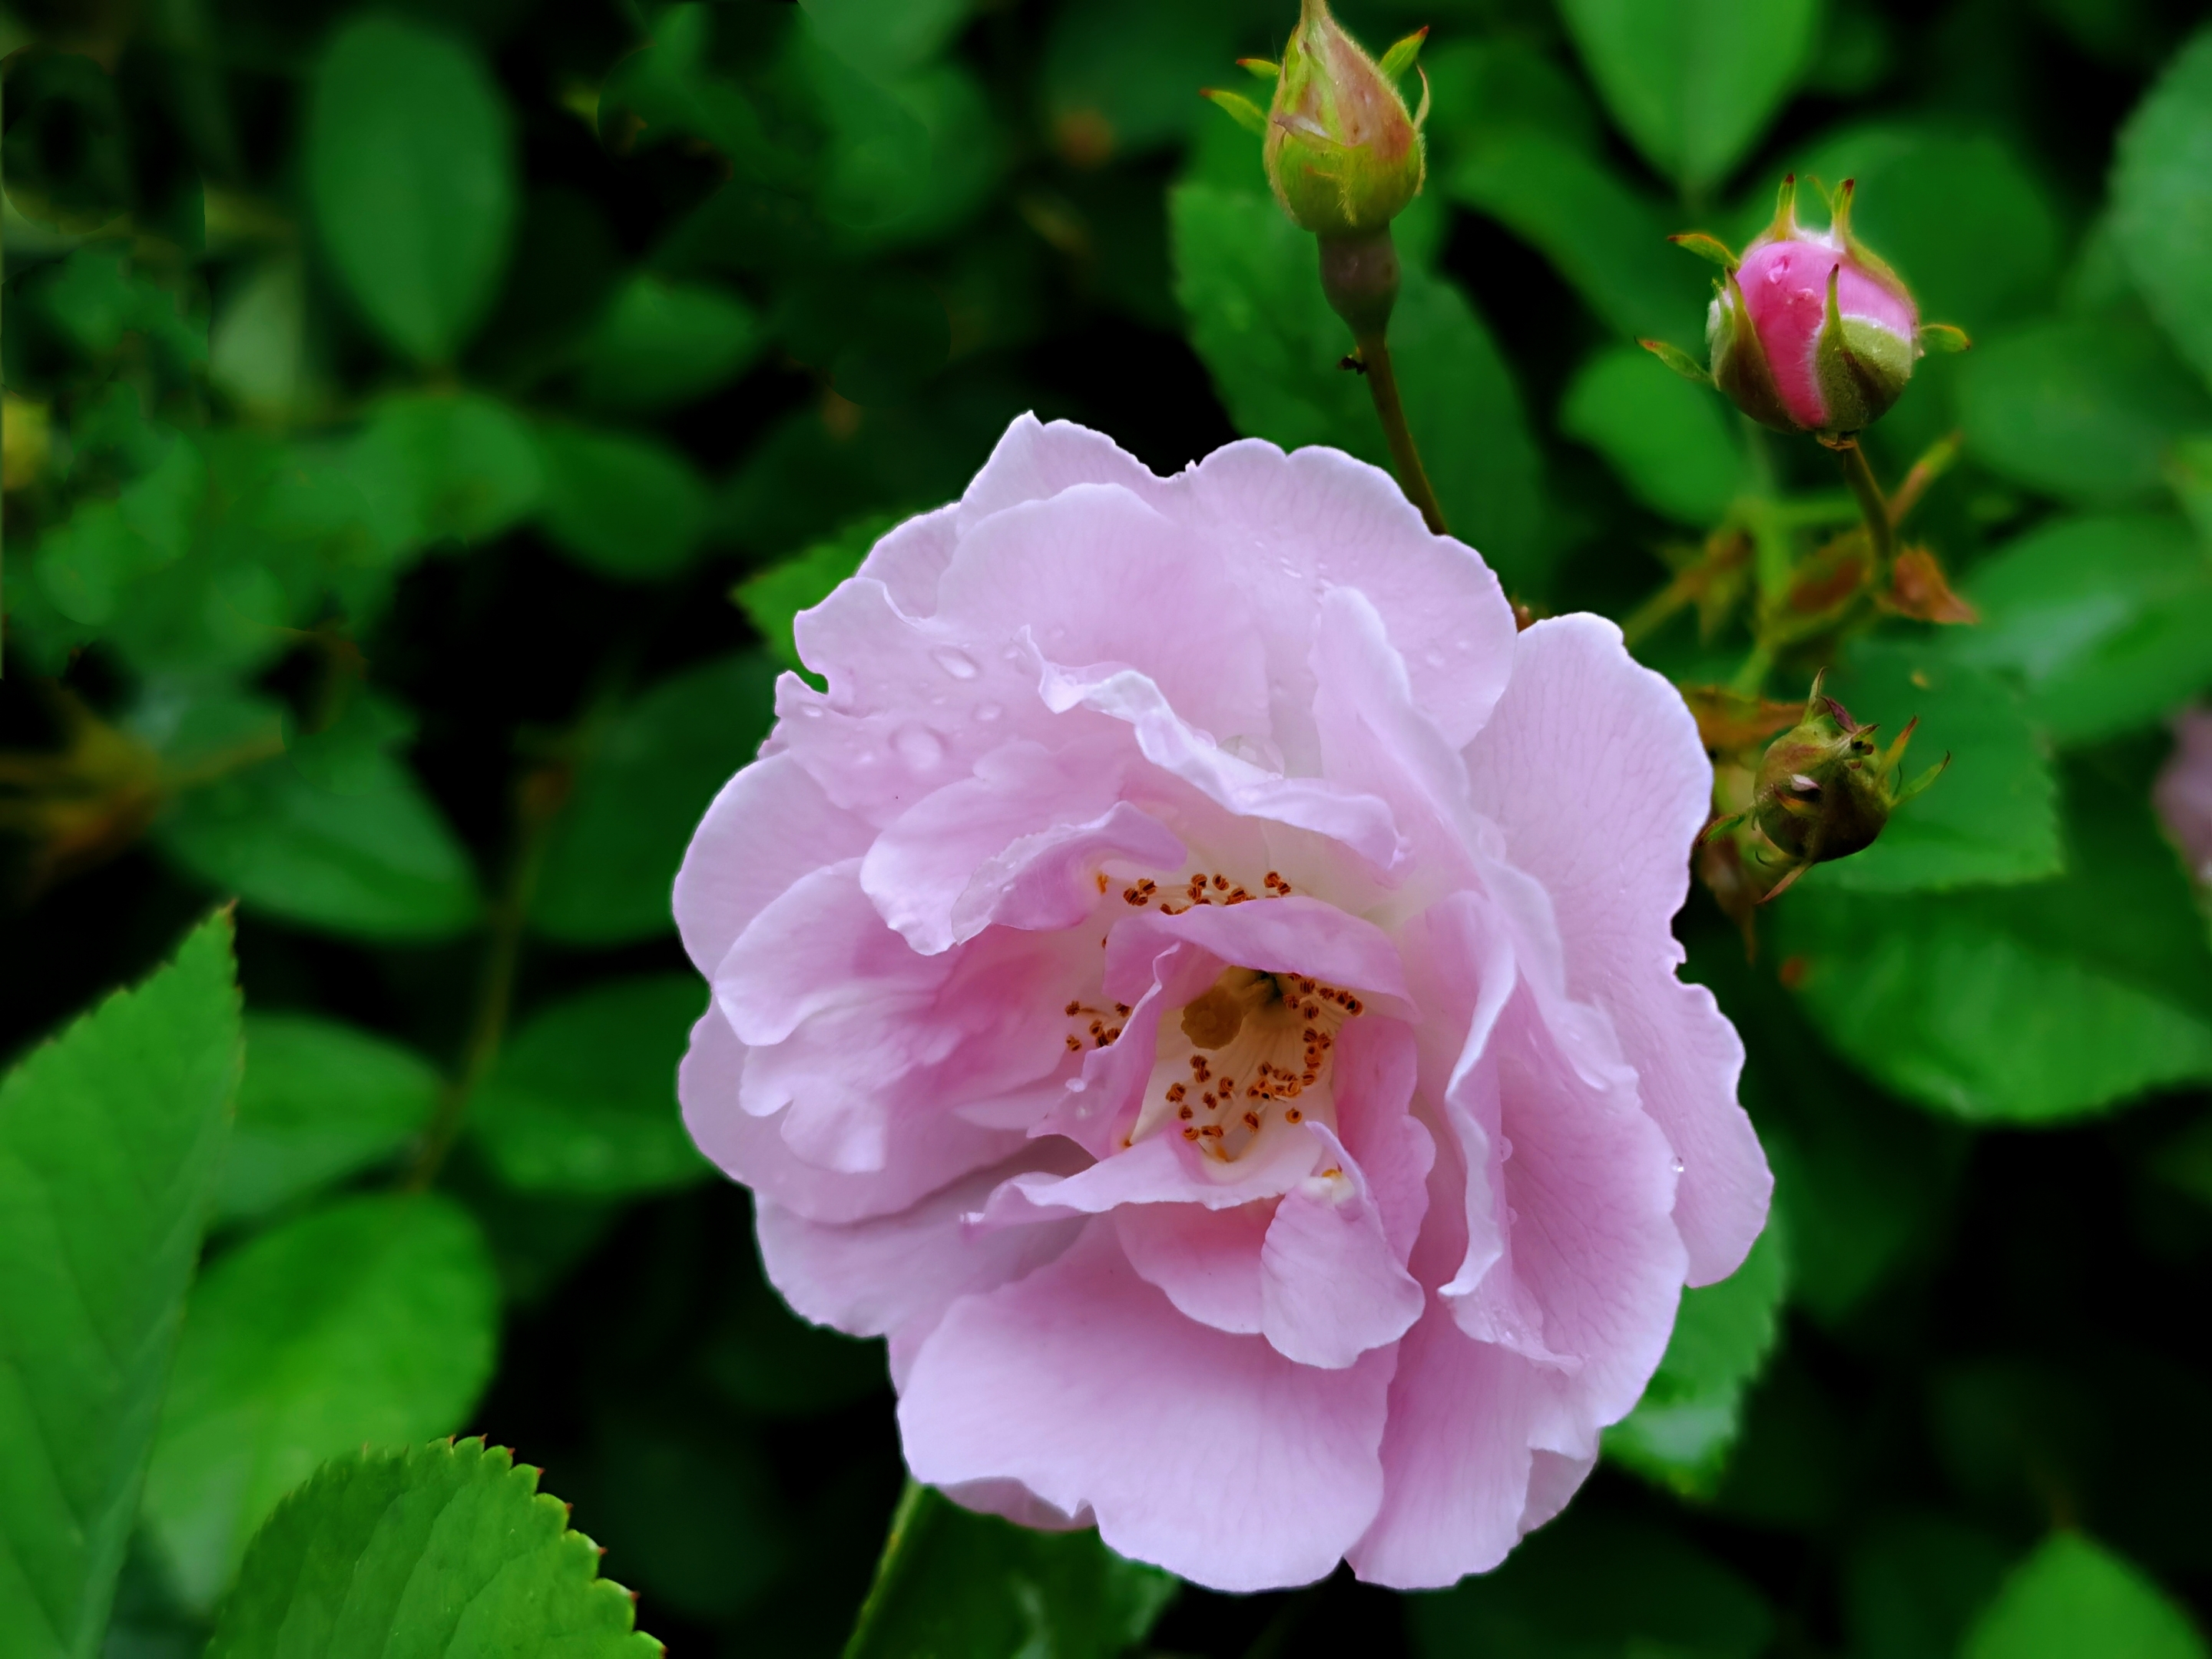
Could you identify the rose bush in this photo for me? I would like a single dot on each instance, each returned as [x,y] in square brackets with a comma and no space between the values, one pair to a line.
[1200,984]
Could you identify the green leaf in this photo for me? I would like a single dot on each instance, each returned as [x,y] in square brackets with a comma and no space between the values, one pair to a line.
[2161,217]
[2105,620]
[640,791]
[446,465]
[909,155]
[1992,816]
[441,1549]
[1681,1431]
[111,1137]
[321,1100]
[373,1320]
[887,37]
[2026,1004]
[1248,280]
[2083,409]
[257,348]
[953,1584]
[335,835]
[1118,76]
[411,174]
[1608,240]
[624,505]
[583,1101]
[1934,203]
[1481,87]
[1593,1585]
[1914,1583]
[2074,1599]
[1672,442]
[773,598]
[1693,82]
[664,344]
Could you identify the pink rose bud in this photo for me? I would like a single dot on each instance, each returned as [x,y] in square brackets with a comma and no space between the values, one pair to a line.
[1201,983]
[1810,330]
[2183,795]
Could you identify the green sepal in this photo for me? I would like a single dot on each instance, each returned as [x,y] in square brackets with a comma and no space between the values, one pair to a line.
[1395,62]
[1706,248]
[1943,338]
[1678,360]
[1740,367]
[1260,68]
[1784,225]
[1872,264]
[1862,367]
[1240,109]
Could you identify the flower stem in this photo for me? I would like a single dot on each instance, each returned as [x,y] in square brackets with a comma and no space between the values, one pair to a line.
[539,797]
[1413,477]
[1881,530]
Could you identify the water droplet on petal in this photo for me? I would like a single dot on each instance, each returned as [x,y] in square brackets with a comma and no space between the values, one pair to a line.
[1504,1148]
[1678,1166]
[921,748]
[956,662]
[1435,659]
[987,712]
[811,710]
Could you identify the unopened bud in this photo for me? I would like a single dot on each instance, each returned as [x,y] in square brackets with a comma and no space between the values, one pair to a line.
[1342,151]
[1810,330]
[1825,790]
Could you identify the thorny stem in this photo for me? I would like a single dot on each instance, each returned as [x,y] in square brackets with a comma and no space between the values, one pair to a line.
[1382,387]
[538,801]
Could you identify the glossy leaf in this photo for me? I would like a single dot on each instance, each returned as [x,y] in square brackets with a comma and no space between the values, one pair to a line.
[1671,442]
[641,790]
[2103,620]
[1597,1586]
[1693,82]
[1247,280]
[2083,410]
[1992,817]
[2073,1598]
[410,173]
[1681,1431]
[444,1548]
[111,1138]
[960,1585]
[1606,238]
[2160,219]
[371,1320]
[583,1100]
[335,835]
[664,344]
[321,1100]
[623,506]
[2033,1004]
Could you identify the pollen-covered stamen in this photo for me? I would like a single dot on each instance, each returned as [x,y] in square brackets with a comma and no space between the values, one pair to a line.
[1252,1049]
[1203,887]
[1094,1027]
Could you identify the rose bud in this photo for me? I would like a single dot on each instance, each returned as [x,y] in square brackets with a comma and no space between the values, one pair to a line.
[1825,791]
[1809,331]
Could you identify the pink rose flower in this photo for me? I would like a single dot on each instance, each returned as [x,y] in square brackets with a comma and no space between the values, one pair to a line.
[2182,793]
[1201,986]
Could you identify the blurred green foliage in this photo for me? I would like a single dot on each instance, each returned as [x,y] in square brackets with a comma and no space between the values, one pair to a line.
[422,424]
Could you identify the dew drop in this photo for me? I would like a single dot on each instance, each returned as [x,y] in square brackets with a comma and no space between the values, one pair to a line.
[1678,1166]
[1504,1148]
[921,748]
[987,712]
[1434,659]
[811,710]
[956,662]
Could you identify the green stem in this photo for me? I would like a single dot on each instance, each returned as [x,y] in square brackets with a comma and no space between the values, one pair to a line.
[1750,680]
[1881,532]
[1413,477]
[539,797]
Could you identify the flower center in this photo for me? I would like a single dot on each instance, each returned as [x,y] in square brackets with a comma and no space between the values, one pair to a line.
[1251,1050]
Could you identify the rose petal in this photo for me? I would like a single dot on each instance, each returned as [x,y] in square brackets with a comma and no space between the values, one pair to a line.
[1209,1454]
